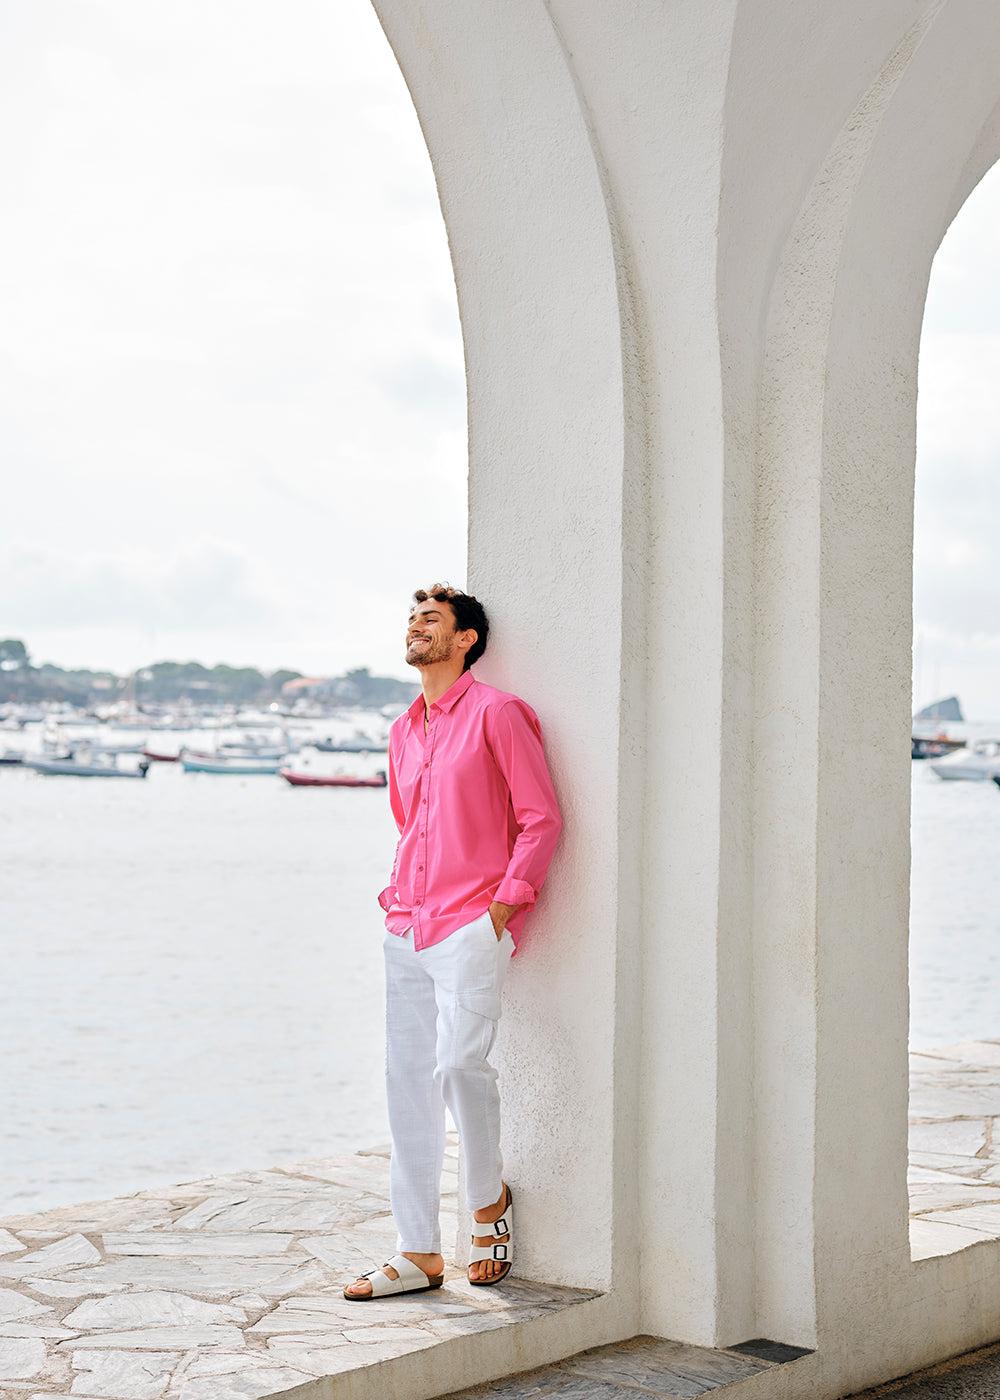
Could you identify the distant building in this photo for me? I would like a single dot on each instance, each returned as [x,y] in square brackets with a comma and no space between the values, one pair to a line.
[304,685]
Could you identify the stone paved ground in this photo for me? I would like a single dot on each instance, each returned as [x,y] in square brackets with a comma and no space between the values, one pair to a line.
[974,1376]
[226,1289]
[641,1367]
[954,1176]
[230,1288]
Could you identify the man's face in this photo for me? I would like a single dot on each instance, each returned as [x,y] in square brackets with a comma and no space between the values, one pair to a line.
[430,636]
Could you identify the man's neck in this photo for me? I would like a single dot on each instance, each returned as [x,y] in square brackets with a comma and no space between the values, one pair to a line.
[435,680]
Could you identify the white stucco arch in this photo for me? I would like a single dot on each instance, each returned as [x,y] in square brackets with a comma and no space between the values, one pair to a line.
[691,246]
[933,136]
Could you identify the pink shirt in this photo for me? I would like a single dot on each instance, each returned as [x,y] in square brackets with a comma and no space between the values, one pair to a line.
[476,812]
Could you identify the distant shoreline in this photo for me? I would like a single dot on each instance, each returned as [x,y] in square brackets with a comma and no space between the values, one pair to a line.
[169,682]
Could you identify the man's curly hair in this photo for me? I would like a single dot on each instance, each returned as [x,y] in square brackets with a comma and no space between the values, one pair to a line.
[469,613]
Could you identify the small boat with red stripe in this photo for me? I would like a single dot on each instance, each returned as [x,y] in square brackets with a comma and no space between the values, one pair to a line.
[300,779]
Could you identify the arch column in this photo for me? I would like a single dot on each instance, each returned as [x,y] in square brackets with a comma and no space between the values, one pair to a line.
[691,245]
[538,296]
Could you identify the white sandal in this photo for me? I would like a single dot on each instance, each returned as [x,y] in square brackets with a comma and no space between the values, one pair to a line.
[499,1253]
[411,1280]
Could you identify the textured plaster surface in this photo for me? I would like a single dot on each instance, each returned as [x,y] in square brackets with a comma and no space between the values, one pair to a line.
[691,245]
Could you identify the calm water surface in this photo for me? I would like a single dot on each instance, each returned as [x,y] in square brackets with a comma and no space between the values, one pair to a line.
[191,978]
[954,911]
[191,970]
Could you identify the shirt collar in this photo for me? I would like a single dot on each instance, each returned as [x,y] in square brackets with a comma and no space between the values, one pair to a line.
[451,696]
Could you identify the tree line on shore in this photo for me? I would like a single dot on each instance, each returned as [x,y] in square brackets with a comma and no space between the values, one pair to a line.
[167,682]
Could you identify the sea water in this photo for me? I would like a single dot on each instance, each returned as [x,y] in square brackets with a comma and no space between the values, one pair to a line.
[191,978]
[954,911]
[191,974]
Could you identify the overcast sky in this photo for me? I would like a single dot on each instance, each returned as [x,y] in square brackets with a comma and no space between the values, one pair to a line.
[232,418]
[232,421]
[957,526]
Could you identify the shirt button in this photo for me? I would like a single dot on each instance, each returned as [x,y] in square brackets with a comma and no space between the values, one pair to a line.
[420,867]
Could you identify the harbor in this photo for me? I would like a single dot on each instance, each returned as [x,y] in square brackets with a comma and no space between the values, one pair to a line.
[194,977]
[196,1020]
[196,982]
[336,747]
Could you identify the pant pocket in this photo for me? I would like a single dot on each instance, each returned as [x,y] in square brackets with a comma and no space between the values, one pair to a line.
[481,1003]
[479,969]
[473,1030]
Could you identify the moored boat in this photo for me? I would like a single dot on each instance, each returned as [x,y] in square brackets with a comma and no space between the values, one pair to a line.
[208,763]
[300,779]
[929,738]
[973,763]
[93,767]
[360,744]
[253,750]
[922,746]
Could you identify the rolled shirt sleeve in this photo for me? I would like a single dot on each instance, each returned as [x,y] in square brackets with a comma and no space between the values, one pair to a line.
[515,741]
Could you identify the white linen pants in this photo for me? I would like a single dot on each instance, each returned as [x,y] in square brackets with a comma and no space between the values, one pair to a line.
[442,1008]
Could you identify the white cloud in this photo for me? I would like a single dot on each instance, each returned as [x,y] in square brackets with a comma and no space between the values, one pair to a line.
[958,408]
[228,315]
[957,510]
[206,587]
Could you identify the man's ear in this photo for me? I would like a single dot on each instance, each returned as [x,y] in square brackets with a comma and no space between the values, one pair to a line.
[467,639]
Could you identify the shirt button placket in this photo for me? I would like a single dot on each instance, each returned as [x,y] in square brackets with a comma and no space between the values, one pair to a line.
[421,880]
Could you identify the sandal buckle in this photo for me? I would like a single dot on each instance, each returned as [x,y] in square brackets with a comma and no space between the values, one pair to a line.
[500,1253]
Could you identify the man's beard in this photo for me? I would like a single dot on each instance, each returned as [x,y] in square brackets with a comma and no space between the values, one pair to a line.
[430,654]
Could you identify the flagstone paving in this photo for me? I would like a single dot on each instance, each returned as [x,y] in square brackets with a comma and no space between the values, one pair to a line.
[641,1366]
[954,1175]
[230,1288]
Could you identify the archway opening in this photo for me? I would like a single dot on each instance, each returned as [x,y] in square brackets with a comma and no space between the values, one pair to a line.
[234,432]
[954,953]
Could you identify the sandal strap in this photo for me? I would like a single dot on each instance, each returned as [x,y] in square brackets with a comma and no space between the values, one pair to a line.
[411,1277]
[503,1226]
[499,1253]
[382,1284]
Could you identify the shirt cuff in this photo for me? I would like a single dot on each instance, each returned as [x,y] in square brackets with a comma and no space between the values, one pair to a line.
[388,898]
[515,892]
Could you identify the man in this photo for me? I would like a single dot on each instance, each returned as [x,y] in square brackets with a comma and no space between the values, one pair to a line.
[478,824]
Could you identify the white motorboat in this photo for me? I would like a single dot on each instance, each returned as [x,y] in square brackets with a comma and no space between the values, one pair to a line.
[222,763]
[976,763]
[92,766]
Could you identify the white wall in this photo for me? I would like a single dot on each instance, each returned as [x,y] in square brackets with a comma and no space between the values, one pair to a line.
[540,313]
[691,246]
